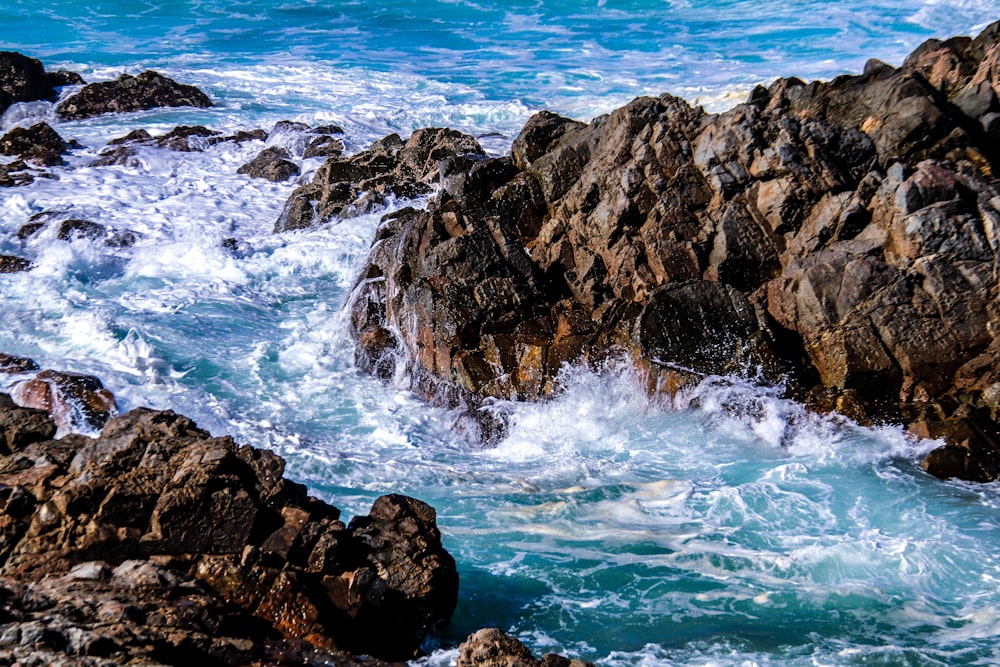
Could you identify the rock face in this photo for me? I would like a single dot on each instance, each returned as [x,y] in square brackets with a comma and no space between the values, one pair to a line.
[157,541]
[840,236]
[127,93]
[390,168]
[491,647]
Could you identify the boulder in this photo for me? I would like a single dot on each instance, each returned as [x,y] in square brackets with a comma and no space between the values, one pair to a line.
[128,93]
[271,164]
[491,647]
[15,173]
[837,237]
[22,79]
[38,144]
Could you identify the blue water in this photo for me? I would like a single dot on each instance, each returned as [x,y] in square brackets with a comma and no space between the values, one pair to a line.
[725,527]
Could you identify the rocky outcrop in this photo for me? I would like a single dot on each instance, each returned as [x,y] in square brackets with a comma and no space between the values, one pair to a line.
[364,181]
[128,93]
[491,647]
[156,541]
[839,237]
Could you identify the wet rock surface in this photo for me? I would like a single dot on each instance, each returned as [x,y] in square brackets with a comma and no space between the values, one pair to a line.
[271,164]
[359,183]
[491,647]
[839,236]
[128,93]
[155,541]
[22,79]
[38,144]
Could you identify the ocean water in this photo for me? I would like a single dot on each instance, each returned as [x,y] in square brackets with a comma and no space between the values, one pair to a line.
[725,527]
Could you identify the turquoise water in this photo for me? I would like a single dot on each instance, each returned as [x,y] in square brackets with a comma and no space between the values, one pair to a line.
[726,527]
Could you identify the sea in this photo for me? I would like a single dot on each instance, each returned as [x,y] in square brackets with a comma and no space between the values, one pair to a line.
[724,526]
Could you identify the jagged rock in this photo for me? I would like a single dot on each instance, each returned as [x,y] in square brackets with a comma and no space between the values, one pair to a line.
[324,146]
[13,264]
[192,545]
[849,228]
[271,164]
[38,144]
[22,79]
[128,93]
[491,647]
[356,184]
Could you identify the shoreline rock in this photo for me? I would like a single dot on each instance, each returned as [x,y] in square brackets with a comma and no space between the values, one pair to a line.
[839,237]
[155,541]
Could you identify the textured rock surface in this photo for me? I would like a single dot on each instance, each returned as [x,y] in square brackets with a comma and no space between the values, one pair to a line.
[183,138]
[359,183]
[38,144]
[841,235]
[157,541]
[127,93]
[22,79]
[491,647]
[271,164]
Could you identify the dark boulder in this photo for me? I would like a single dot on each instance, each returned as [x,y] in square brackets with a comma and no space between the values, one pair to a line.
[271,164]
[63,77]
[491,647]
[38,144]
[22,79]
[127,93]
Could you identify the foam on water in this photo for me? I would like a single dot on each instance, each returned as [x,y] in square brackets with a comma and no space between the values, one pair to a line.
[726,526]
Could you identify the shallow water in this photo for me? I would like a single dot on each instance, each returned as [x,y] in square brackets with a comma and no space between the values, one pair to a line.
[727,527]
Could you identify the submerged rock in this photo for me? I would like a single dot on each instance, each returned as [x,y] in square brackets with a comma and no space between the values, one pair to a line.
[839,237]
[127,93]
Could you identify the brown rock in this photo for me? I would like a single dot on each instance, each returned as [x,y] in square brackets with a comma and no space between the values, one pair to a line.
[13,264]
[491,647]
[841,234]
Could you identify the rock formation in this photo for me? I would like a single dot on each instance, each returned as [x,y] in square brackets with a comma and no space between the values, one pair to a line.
[840,237]
[147,90]
[157,542]
[361,182]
